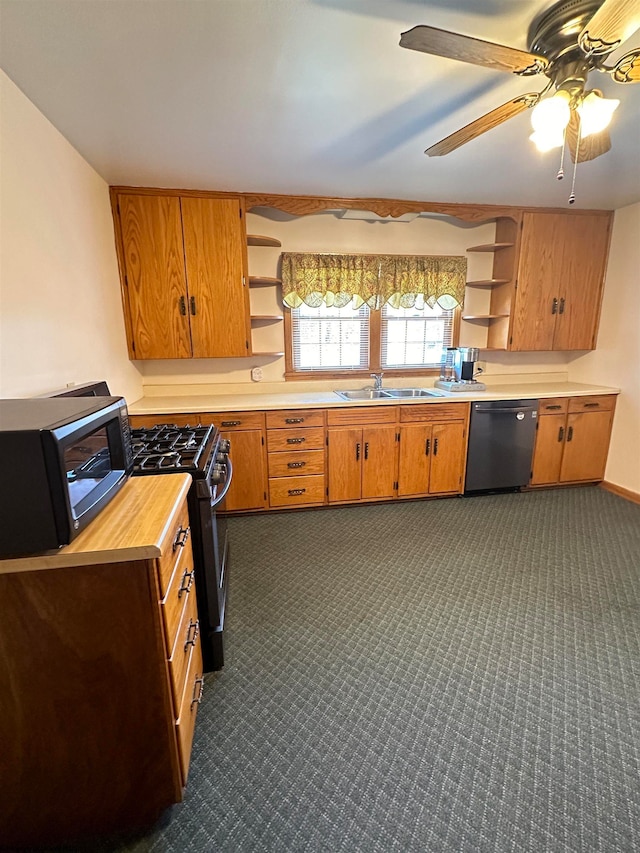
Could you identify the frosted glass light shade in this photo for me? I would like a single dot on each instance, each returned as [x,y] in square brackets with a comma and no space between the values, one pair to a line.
[549,119]
[595,113]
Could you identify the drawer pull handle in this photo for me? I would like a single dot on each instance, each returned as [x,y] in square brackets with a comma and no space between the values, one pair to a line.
[181,537]
[427,446]
[296,464]
[591,405]
[192,304]
[358,452]
[294,492]
[570,433]
[198,687]
[561,308]
[560,433]
[549,408]
[230,423]
[294,420]
[366,450]
[435,446]
[183,306]
[192,633]
[554,306]
[186,583]
[295,440]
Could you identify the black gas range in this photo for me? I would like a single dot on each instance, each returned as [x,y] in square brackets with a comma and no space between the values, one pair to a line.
[201,452]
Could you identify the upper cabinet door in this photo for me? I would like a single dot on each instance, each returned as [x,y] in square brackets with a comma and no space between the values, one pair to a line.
[155,284]
[585,244]
[215,252]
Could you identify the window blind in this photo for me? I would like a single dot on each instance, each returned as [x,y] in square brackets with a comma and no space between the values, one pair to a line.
[414,337]
[326,338]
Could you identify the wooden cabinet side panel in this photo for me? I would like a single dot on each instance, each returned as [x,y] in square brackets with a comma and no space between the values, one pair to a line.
[538,282]
[153,258]
[584,245]
[86,718]
[549,446]
[586,446]
[344,464]
[214,238]
[414,460]
[249,483]
[448,457]
[379,462]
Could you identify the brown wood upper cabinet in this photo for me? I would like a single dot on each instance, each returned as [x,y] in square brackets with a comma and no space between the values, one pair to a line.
[183,267]
[559,279]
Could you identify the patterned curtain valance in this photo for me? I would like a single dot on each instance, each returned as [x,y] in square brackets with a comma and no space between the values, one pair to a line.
[338,280]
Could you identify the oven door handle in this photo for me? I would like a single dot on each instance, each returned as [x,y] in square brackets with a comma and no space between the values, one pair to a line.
[222,495]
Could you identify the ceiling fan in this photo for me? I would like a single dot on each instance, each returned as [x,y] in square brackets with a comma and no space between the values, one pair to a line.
[566,43]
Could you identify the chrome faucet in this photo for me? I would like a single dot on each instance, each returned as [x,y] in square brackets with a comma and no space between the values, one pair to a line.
[377,377]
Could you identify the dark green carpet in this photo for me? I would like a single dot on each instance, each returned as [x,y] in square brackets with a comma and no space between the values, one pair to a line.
[454,675]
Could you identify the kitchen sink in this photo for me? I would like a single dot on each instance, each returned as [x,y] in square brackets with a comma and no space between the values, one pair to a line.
[411,392]
[387,393]
[362,394]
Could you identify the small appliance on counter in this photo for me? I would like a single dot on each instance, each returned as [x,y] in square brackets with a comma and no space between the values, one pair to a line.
[62,461]
[458,370]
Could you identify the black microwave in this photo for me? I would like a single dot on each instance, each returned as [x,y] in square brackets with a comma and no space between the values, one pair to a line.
[61,461]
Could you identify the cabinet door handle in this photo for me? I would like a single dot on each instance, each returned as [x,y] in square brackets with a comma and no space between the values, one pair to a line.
[198,683]
[366,450]
[295,440]
[181,537]
[357,451]
[591,405]
[560,433]
[296,464]
[427,446]
[435,446]
[192,633]
[570,433]
[550,408]
[183,306]
[186,583]
[561,308]
[293,492]
[192,305]
[294,420]
[554,306]
[230,423]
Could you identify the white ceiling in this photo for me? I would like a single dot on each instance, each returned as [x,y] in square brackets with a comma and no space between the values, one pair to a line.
[298,96]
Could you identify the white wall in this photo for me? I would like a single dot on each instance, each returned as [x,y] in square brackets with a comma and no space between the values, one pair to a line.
[60,310]
[616,361]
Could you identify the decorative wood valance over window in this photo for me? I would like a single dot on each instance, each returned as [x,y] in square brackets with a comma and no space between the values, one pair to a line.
[338,280]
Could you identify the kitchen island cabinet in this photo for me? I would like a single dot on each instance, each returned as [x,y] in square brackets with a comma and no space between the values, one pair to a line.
[183,269]
[572,440]
[100,672]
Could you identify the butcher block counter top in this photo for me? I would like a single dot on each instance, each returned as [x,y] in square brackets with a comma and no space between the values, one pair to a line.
[133,526]
[289,399]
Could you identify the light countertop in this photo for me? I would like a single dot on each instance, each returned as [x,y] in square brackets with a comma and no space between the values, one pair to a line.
[239,402]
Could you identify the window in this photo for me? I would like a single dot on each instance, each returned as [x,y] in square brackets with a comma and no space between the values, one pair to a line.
[329,340]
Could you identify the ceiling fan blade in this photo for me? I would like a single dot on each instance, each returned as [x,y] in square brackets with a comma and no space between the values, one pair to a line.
[482,124]
[627,69]
[476,51]
[590,147]
[611,25]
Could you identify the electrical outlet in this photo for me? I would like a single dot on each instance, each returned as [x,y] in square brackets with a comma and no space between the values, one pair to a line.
[256,374]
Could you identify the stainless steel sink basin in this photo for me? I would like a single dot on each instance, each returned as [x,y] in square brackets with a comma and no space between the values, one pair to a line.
[362,394]
[411,392]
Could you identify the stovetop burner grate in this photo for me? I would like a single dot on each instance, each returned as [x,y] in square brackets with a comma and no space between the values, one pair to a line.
[169,447]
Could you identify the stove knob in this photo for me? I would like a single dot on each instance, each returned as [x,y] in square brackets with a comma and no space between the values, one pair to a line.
[225,445]
[218,474]
[221,458]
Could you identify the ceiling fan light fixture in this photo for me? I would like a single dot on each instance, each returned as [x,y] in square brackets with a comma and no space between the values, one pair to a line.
[549,119]
[595,112]
[545,141]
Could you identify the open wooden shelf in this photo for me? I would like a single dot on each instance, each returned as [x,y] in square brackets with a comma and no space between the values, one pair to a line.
[482,316]
[490,247]
[259,240]
[267,318]
[488,282]
[263,281]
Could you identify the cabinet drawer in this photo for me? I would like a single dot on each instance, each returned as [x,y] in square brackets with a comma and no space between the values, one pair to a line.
[551,406]
[181,588]
[295,417]
[226,421]
[172,547]
[604,403]
[295,439]
[187,636]
[297,463]
[191,698]
[362,415]
[431,412]
[292,491]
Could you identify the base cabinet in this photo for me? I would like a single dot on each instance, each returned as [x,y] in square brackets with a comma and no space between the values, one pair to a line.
[362,463]
[431,458]
[572,439]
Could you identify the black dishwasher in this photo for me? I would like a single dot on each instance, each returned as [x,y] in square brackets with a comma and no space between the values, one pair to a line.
[501,437]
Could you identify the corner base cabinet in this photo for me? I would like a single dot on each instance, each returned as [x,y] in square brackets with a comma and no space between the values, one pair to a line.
[100,673]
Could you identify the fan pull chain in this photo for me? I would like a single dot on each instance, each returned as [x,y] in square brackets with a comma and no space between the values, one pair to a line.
[572,197]
[560,174]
